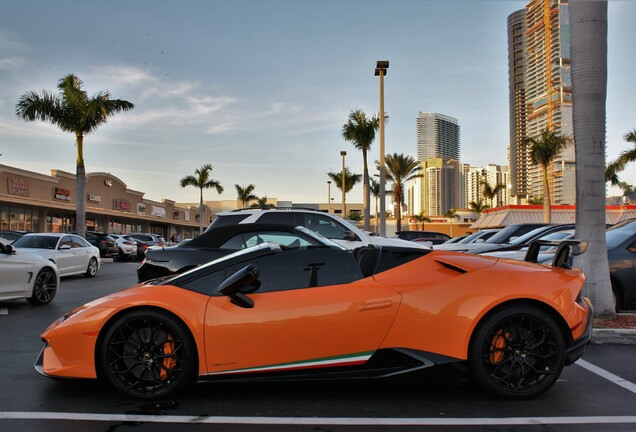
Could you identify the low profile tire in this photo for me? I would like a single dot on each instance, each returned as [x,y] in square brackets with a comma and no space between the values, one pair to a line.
[44,287]
[148,354]
[617,293]
[91,270]
[517,353]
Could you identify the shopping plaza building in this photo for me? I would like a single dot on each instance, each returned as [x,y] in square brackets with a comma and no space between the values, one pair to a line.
[46,203]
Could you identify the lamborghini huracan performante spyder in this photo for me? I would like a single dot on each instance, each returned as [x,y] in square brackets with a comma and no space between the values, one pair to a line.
[269,312]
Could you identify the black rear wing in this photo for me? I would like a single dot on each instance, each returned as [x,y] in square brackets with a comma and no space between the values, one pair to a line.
[564,249]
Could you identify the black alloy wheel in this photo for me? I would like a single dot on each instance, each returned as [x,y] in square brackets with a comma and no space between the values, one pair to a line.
[517,353]
[148,354]
[44,287]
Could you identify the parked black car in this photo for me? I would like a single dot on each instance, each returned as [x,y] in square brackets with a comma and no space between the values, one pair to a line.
[220,241]
[106,244]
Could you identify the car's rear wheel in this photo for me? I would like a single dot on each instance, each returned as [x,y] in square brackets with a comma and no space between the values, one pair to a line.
[91,270]
[148,354]
[517,353]
[44,287]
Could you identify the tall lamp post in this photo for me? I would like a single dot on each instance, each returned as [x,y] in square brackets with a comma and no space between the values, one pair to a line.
[329,196]
[344,208]
[381,70]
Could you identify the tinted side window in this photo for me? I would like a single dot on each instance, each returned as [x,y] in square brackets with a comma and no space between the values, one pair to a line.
[227,220]
[297,269]
[208,284]
[325,226]
[281,218]
[394,258]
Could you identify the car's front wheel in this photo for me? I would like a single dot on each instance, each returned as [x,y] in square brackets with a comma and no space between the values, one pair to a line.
[517,353]
[148,354]
[44,287]
[91,270]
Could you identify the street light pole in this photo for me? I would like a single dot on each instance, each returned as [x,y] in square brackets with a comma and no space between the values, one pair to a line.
[344,207]
[381,71]
[329,196]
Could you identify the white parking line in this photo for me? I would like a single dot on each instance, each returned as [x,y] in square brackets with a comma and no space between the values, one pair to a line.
[4,311]
[607,375]
[353,421]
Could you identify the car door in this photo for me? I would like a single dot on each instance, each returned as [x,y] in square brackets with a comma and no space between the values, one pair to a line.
[15,273]
[312,310]
[82,253]
[65,257]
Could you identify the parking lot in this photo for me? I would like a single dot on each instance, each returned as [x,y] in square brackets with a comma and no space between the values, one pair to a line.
[597,393]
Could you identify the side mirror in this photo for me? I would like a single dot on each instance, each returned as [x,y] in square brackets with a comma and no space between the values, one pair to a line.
[65,247]
[232,286]
[350,236]
[7,248]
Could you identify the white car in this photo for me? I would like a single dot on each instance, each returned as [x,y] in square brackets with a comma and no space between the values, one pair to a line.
[28,276]
[127,246]
[71,253]
[332,227]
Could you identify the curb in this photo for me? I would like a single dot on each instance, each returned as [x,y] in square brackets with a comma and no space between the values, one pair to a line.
[614,336]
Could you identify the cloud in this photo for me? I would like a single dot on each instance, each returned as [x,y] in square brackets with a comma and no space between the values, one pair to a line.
[11,63]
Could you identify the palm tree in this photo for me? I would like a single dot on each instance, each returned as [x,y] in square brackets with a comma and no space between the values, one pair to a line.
[201,179]
[490,192]
[72,111]
[421,218]
[374,187]
[360,131]
[399,169]
[351,179]
[544,149]
[629,191]
[588,37]
[261,203]
[452,215]
[245,194]
[478,206]
[611,173]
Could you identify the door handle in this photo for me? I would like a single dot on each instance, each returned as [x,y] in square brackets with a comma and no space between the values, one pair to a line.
[381,304]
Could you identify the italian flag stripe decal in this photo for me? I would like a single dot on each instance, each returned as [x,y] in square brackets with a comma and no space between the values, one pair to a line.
[337,361]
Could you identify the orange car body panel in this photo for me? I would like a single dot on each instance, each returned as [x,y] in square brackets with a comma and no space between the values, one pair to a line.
[431,304]
[447,311]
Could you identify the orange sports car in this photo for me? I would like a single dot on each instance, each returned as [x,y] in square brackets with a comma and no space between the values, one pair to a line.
[280,313]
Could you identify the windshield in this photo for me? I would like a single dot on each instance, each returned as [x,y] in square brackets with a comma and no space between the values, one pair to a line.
[36,242]
[615,235]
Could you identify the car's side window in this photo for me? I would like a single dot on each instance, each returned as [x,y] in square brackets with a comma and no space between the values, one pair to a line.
[325,226]
[207,284]
[76,242]
[66,241]
[298,269]
[245,240]
[282,218]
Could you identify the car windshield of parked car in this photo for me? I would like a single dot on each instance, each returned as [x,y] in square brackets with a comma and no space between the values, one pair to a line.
[36,242]
[614,235]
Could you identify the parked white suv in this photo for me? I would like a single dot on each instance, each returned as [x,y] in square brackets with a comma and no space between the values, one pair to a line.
[325,224]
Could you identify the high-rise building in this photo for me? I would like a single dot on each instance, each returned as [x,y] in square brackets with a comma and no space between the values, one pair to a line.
[439,189]
[539,51]
[437,137]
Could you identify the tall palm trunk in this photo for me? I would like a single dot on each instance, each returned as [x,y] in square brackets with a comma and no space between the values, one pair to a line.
[200,211]
[588,24]
[547,199]
[80,186]
[366,193]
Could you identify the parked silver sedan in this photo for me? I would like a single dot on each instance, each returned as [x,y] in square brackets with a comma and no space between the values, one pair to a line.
[71,253]
[27,276]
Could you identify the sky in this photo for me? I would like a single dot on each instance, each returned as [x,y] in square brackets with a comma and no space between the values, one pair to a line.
[261,89]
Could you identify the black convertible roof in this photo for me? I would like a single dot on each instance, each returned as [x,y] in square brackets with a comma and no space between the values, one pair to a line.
[215,237]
